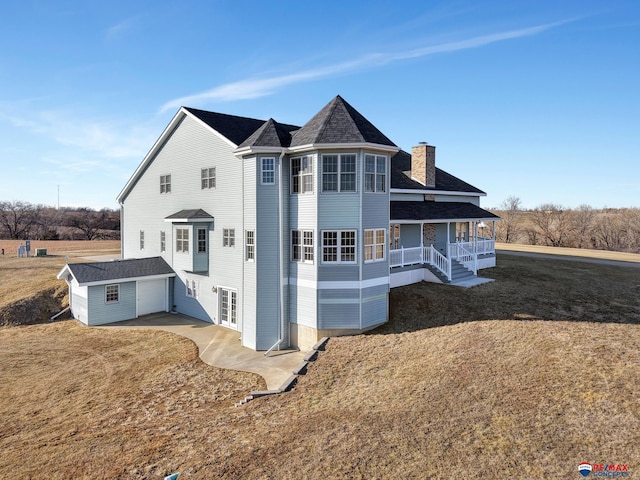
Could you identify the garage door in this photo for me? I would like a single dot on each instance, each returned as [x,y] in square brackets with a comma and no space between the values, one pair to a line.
[152,296]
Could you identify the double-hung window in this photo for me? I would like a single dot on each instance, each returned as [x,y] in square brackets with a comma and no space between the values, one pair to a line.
[141,239]
[208,178]
[202,240]
[302,175]
[339,246]
[250,244]
[268,171]
[182,240]
[375,173]
[374,244]
[302,246]
[165,183]
[112,293]
[228,237]
[163,241]
[339,173]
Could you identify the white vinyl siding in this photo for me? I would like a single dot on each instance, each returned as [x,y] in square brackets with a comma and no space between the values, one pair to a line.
[339,246]
[339,173]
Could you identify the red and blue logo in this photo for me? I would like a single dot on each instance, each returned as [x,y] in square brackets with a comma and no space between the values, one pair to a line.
[585,468]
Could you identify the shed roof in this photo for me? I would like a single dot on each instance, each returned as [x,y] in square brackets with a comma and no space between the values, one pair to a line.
[444,211]
[191,215]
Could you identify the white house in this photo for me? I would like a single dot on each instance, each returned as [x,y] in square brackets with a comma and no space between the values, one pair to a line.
[285,233]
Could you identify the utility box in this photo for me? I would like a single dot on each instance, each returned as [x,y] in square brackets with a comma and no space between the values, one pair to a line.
[41,252]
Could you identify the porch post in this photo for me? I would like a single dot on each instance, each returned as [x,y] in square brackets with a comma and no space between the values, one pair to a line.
[448,240]
[422,242]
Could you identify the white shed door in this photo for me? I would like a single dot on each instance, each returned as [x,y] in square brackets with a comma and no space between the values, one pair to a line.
[152,296]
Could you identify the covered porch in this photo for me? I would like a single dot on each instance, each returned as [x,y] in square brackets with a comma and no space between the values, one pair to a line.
[428,242]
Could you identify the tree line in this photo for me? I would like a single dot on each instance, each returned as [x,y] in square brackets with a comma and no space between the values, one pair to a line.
[550,224]
[23,220]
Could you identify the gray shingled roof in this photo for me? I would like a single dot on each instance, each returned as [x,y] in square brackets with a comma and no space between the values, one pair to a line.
[237,129]
[445,182]
[119,269]
[339,122]
[438,211]
[270,134]
[193,214]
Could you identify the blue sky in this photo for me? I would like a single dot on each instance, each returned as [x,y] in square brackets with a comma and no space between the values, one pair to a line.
[537,99]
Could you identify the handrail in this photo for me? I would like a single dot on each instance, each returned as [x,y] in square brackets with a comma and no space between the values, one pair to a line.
[464,256]
[273,346]
[439,261]
[58,314]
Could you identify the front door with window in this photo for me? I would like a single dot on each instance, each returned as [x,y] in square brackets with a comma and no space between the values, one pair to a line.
[228,307]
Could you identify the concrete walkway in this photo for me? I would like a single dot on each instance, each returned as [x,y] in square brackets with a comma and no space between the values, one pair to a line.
[220,347]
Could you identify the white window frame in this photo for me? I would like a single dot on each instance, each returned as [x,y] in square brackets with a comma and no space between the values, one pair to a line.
[182,241]
[228,237]
[200,242]
[191,288]
[376,250]
[375,178]
[302,175]
[165,183]
[302,250]
[207,178]
[268,171]
[394,236]
[108,293]
[250,245]
[141,239]
[163,241]
[340,247]
[228,307]
[340,173]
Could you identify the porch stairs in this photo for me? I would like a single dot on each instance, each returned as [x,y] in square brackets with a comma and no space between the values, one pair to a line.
[459,273]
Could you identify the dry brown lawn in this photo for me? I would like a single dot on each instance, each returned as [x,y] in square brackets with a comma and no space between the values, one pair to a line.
[525,378]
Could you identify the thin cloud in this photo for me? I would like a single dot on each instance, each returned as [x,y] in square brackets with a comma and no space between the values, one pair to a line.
[260,87]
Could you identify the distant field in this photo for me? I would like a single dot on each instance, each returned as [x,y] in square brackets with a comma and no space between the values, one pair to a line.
[525,377]
[33,279]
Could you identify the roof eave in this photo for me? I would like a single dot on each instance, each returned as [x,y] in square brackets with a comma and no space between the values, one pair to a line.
[322,146]
[158,276]
[442,220]
[190,220]
[437,192]
[257,149]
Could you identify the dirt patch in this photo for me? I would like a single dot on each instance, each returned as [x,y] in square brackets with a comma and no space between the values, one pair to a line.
[38,308]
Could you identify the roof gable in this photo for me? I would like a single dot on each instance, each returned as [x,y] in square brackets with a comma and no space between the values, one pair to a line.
[270,134]
[339,122]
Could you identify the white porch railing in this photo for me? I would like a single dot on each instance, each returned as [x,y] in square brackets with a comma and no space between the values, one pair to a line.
[464,252]
[403,257]
[464,256]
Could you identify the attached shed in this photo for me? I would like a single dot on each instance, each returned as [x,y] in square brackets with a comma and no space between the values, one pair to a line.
[106,292]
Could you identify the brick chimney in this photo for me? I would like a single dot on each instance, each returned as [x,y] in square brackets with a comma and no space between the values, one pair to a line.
[423,164]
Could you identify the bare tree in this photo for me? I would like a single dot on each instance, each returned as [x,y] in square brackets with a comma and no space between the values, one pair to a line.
[17,219]
[611,231]
[88,221]
[553,222]
[583,221]
[508,230]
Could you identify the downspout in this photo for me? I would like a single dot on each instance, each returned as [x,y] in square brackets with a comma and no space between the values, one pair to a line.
[281,325]
[121,230]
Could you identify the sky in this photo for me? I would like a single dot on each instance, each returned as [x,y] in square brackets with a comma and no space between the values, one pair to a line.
[538,99]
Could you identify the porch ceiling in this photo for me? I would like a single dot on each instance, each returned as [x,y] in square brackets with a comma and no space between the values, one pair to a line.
[438,211]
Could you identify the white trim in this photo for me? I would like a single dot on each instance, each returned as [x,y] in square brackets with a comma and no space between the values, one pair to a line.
[355,145]
[190,220]
[442,220]
[336,285]
[257,149]
[125,280]
[419,191]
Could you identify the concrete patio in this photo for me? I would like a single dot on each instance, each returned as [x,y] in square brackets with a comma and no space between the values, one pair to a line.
[220,346]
